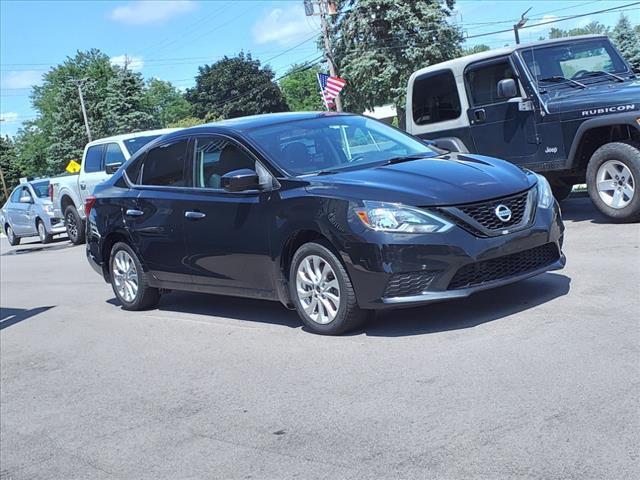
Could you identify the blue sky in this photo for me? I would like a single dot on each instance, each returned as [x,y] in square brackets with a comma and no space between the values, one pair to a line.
[168,39]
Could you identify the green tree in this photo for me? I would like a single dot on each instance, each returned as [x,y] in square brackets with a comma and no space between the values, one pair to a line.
[125,106]
[167,103]
[7,166]
[475,49]
[300,88]
[235,86]
[627,39]
[378,44]
[593,28]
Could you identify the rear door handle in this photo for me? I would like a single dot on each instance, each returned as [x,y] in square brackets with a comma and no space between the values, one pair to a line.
[132,212]
[194,215]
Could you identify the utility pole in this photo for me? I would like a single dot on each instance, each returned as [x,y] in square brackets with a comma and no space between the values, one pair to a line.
[80,83]
[326,8]
[519,25]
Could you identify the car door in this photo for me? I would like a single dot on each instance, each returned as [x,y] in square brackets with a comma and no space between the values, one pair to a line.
[92,171]
[499,126]
[15,211]
[23,215]
[155,217]
[227,232]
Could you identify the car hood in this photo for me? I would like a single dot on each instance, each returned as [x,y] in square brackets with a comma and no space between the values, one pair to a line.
[599,99]
[450,179]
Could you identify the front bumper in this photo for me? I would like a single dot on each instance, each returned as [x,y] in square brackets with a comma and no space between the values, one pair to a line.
[54,226]
[394,270]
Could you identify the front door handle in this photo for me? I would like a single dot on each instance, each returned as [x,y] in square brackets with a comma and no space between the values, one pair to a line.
[194,215]
[83,186]
[132,212]
[480,115]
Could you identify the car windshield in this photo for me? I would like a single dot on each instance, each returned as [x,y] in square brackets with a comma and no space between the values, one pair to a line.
[569,64]
[333,143]
[135,144]
[41,188]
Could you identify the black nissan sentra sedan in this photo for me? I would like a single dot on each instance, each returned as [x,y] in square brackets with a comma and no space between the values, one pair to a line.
[335,215]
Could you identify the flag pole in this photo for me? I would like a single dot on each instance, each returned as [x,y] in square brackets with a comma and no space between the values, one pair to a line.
[324,99]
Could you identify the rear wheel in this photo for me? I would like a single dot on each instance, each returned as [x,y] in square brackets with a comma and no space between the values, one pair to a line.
[613,174]
[42,233]
[74,225]
[322,292]
[11,236]
[129,281]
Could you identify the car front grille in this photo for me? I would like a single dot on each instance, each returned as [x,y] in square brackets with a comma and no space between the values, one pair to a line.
[407,284]
[500,268]
[482,220]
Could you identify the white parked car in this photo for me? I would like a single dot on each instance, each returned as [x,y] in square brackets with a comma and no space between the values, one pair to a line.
[100,160]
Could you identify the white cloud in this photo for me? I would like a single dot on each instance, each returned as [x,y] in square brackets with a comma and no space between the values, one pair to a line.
[133,63]
[283,26]
[142,12]
[9,117]
[21,78]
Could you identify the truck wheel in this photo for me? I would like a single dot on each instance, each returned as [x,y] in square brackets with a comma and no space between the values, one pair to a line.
[11,236]
[322,292]
[561,191]
[74,225]
[42,233]
[613,174]
[129,281]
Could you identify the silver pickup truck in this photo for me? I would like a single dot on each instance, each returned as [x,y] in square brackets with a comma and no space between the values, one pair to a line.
[100,160]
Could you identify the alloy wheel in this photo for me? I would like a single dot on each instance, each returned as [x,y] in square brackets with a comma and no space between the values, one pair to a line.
[10,234]
[41,232]
[318,289]
[72,225]
[125,276]
[615,184]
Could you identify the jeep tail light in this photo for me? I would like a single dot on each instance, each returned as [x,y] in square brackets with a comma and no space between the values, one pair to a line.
[89,202]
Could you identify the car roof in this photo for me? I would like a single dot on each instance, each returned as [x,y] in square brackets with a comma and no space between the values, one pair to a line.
[128,136]
[459,64]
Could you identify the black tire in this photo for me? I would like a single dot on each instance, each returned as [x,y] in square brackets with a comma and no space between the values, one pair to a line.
[349,316]
[74,225]
[11,236]
[146,296]
[629,155]
[42,233]
[561,191]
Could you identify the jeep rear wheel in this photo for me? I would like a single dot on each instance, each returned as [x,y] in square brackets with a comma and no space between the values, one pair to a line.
[613,174]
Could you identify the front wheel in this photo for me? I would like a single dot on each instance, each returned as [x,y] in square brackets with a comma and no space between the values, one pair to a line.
[129,281]
[74,225]
[42,233]
[322,292]
[11,236]
[612,176]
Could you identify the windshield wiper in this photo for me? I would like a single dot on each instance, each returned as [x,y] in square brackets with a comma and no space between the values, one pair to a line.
[615,77]
[560,79]
[405,158]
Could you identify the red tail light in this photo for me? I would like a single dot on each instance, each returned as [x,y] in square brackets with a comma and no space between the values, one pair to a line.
[51,191]
[88,204]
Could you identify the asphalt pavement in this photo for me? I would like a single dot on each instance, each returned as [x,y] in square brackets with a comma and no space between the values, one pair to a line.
[536,380]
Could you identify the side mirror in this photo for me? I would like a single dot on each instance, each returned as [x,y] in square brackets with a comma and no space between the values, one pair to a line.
[25,199]
[507,88]
[111,168]
[240,180]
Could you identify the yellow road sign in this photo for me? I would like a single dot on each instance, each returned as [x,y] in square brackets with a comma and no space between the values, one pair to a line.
[73,167]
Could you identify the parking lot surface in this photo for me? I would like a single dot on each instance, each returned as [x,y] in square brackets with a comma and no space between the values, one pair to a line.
[540,379]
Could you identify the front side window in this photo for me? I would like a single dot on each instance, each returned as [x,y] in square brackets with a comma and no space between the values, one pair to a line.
[435,98]
[15,196]
[165,165]
[550,65]
[334,143]
[93,159]
[113,155]
[482,82]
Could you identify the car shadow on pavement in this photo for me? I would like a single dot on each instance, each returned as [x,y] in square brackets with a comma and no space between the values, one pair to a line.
[472,311]
[579,208]
[458,314]
[11,316]
[37,246]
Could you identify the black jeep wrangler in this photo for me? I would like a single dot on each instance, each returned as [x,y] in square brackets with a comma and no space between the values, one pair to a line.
[568,108]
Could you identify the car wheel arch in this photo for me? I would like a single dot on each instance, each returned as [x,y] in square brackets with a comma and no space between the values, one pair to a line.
[67,201]
[110,240]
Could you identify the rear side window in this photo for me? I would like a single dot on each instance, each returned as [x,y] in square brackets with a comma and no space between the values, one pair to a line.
[165,165]
[93,159]
[482,82]
[113,155]
[435,98]
[215,157]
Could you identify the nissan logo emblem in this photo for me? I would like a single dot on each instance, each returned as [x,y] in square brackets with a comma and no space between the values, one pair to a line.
[503,213]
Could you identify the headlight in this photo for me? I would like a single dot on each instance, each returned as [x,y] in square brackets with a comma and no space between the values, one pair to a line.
[48,209]
[545,195]
[396,218]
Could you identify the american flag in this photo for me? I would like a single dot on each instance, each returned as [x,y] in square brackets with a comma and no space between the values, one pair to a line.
[330,87]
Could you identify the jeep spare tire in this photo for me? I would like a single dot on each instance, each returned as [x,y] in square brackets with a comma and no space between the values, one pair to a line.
[613,174]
